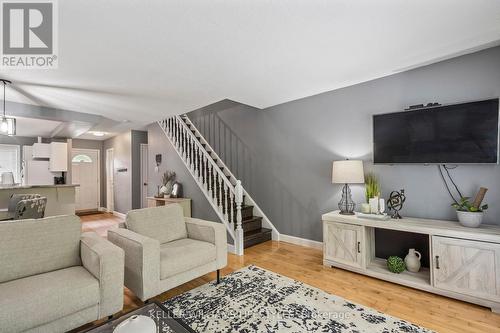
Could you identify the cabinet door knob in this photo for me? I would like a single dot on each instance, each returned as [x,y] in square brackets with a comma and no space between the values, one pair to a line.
[437,262]
[359,247]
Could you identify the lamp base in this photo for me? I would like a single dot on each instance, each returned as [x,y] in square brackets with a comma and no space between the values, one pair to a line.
[346,205]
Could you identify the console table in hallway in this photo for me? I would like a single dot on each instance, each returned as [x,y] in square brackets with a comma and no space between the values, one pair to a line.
[184,202]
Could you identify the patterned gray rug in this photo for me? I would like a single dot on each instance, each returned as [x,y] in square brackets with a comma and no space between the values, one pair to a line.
[256,300]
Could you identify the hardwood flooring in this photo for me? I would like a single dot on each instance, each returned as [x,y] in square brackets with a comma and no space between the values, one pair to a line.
[305,264]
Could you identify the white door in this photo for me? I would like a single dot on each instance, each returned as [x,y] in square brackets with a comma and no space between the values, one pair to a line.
[144,175]
[85,172]
[110,188]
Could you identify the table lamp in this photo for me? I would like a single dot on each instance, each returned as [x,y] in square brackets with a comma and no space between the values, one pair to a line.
[347,172]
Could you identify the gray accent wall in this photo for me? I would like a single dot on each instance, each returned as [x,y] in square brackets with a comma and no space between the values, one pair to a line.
[284,153]
[159,144]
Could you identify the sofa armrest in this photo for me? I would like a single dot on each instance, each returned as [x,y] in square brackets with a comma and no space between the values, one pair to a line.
[105,262]
[142,261]
[211,232]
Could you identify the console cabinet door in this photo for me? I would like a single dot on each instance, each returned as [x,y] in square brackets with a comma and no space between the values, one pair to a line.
[466,267]
[343,243]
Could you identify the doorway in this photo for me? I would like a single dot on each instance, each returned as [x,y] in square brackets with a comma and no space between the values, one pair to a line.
[144,175]
[110,187]
[85,169]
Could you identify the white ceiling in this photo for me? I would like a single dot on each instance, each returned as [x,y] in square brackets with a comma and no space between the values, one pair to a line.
[35,127]
[144,60]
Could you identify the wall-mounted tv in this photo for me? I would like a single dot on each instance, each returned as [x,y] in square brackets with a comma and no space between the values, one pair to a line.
[450,134]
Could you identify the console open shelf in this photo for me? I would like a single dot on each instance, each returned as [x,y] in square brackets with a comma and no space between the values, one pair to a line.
[379,266]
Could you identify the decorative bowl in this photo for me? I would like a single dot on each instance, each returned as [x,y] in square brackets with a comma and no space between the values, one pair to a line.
[136,324]
[470,219]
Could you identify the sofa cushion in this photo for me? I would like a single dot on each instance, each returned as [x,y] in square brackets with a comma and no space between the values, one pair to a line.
[42,298]
[184,254]
[164,223]
[29,247]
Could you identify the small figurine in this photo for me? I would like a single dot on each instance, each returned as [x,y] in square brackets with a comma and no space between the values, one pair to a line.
[395,202]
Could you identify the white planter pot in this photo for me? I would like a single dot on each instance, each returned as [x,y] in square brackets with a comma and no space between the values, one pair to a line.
[470,219]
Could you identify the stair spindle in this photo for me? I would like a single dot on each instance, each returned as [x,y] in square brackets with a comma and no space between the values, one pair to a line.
[221,192]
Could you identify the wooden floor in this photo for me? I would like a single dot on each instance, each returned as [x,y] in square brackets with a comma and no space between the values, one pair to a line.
[305,264]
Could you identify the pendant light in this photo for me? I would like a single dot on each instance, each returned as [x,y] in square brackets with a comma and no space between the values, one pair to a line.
[7,124]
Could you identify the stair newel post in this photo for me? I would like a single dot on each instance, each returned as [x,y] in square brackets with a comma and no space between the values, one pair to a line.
[239,230]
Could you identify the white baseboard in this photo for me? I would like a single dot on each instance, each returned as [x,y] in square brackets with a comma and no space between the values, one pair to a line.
[115,213]
[102,209]
[230,248]
[301,241]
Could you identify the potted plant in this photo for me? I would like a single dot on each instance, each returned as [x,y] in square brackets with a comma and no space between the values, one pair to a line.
[372,189]
[469,215]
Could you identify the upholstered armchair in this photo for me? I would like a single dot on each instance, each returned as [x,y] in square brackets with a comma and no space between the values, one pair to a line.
[53,278]
[14,201]
[164,249]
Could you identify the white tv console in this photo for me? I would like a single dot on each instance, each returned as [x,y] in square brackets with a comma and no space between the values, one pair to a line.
[464,262]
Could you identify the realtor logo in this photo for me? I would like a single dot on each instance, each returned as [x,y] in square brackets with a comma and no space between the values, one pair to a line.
[29,38]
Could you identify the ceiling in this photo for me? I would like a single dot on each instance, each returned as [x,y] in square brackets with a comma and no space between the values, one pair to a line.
[136,62]
[35,127]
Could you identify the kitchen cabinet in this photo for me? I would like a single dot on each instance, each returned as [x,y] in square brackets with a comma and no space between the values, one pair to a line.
[58,160]
[41,150]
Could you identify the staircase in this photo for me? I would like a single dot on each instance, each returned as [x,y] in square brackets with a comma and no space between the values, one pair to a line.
[245,222]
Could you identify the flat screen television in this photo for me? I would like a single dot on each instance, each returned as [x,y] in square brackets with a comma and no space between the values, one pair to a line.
[450,134]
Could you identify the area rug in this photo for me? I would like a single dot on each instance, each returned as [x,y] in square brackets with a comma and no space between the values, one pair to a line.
[253,299]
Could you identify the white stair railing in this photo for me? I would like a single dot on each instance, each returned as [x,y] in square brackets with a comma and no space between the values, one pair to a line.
[266,222]
[225,197]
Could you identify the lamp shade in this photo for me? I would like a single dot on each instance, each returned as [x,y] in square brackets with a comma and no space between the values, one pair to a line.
[348,172]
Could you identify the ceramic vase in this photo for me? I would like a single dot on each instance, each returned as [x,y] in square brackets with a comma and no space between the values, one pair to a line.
[412,261]
[373,205]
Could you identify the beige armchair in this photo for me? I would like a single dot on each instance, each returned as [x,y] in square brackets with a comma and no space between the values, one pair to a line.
[53,278]
[164,249]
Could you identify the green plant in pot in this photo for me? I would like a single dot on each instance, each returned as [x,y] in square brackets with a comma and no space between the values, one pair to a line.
[372,189]
[372,186]
[470,214]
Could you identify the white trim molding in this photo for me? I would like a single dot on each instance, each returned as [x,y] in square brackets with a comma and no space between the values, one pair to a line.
[301,241]
[115,213]
[230,248]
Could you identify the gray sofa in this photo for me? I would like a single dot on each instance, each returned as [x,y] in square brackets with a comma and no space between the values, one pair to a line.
[53,278]
[164,249]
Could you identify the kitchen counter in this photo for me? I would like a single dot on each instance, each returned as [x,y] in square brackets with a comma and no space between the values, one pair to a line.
[10,187]
[60,198]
